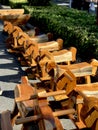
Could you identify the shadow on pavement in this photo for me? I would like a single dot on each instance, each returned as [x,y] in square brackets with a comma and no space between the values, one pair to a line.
[8,94]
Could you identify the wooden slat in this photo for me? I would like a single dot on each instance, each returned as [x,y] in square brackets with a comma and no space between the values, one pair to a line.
[64,112]
[11,11]
[40,95]
[38,117]
[51,46]
[87,87]
[23,120]
[18,19]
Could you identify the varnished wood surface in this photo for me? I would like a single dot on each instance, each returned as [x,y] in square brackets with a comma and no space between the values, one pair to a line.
[11,11]
[18,19]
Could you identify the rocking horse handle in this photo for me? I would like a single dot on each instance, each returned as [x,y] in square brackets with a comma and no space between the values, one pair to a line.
[23,120]
[94,63]
[34,96]
[39,117]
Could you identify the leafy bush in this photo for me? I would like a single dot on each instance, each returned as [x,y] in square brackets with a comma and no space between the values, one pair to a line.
[76,28]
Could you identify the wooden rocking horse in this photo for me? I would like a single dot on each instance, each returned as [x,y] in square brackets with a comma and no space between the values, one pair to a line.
[34,109]
[83,69]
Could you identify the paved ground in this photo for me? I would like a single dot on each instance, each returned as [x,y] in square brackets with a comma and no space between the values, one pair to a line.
[10,75]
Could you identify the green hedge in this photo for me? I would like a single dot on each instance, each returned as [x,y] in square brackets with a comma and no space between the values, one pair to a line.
[76,28]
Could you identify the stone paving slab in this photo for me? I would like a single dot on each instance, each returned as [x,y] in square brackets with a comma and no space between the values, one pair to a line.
[10,75]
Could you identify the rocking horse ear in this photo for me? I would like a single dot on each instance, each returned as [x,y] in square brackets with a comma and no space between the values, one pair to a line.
[51,72]
[49,66]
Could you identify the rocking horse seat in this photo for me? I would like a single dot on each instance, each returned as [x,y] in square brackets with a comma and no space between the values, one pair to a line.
[51,45]
[18,19]
[81,69]
[11,11]
[88,90]
[62,56]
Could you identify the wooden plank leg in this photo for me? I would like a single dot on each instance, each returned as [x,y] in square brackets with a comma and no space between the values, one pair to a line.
[96,125]
[79,123]
[88,79]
